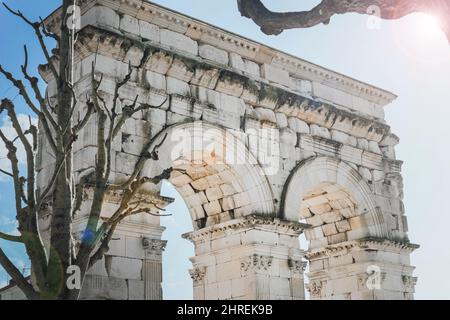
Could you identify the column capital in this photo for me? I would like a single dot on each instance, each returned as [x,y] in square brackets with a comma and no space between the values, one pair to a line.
[197,274]
[297,266]
[154,247]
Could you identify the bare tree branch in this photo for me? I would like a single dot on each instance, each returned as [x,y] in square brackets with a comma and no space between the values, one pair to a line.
[34,85]
[6,173]
[47,33]
[37,29]
[20,280]
[11,238]
[22,91]
[274,23]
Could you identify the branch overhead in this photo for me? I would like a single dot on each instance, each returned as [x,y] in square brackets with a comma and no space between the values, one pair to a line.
[273,23]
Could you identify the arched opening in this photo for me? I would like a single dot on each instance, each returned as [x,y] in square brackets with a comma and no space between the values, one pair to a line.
[217,179]
[177,283]
[328,193]
[334,200]
[332,212]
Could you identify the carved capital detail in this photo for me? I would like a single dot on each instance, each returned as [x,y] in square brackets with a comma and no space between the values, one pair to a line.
[197,274]
[297,266]
[409,282]
[256,263]
[154,246]
[315,288]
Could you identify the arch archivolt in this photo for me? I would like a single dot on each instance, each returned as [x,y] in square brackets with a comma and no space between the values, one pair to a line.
[214,172]
[334,200]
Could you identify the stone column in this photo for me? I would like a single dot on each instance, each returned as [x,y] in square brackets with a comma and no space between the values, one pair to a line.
[253,257]
[132,267]
[152,268]
[367,269]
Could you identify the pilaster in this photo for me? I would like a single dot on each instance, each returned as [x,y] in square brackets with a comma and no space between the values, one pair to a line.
[252,258]
[367,269]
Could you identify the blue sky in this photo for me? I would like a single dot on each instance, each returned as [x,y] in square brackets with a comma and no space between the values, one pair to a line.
[409,57]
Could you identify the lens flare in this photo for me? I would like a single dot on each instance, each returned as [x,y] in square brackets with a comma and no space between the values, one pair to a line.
[421,38]
[429,26]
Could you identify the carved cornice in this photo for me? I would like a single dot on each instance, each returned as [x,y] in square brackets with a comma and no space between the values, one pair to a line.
[251,221]
[144,198]
[231,42]
[366,243]
[256,92]
[256,263]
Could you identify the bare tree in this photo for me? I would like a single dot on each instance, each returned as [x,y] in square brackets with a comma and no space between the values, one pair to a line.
[274,23]
[49,267]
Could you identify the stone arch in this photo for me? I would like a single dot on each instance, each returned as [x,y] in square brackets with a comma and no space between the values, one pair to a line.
[215,173]
[334,199]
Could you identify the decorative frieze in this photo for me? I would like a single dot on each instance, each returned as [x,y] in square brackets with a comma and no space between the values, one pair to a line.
[256,263]
[259,53]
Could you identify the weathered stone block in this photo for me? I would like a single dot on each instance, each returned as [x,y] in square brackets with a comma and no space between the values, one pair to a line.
[298,125]
[176,86]
[212,208]
[104,288]
[212,53]
[225,290]
[101,16]
[281,120]
[373,147]
[320,131]
[214,194]
[180,70]
[179,42]
[275,74]
[129,24]
[205,78]
[266,115]
[156,80]
[159,62]
[149,31]
[124,268]
[136,290]
[390,140]
[339,136]
[229,84]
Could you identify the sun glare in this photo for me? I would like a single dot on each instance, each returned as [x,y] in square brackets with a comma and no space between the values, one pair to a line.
[421,38]
[428,25]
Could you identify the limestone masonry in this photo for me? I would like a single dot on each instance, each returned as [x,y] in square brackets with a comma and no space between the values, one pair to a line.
[332,173]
